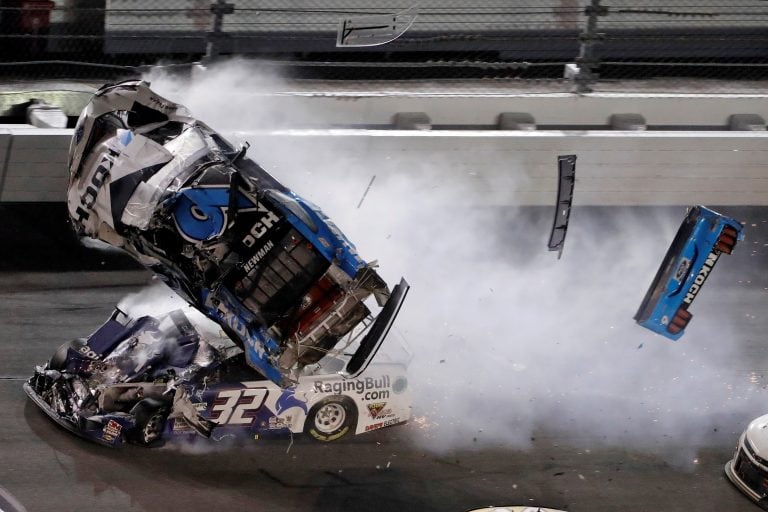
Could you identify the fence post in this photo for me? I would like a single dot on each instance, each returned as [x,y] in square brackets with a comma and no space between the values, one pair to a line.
[586,60]
[214,36]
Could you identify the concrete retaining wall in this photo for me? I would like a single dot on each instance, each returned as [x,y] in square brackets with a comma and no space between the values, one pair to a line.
[519,168]
[499,167]
[33,164]
[308,106]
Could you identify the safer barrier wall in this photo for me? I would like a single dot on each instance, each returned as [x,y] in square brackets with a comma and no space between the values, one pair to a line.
[495,167]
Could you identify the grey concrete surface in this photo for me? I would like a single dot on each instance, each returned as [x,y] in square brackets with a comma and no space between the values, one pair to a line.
[616,168]
[46,468]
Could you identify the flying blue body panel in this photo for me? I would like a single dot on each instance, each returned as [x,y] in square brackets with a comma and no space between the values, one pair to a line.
[684,270]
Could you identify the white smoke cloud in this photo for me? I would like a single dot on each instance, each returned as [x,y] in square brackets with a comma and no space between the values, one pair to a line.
[154,300]
[508,340]
[158,299]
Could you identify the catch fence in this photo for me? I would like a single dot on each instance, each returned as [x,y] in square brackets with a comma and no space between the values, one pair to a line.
[575,45]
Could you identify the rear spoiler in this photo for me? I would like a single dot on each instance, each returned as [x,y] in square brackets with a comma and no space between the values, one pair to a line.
[381,326]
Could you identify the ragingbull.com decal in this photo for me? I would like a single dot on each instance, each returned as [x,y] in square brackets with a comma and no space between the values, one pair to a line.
[370,388]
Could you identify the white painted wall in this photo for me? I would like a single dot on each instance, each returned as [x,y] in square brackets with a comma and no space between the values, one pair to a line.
[33,164]
[614,168]
[313,108]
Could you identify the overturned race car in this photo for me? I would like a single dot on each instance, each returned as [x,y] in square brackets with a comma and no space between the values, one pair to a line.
[162,378]
[748,469]
[268,266]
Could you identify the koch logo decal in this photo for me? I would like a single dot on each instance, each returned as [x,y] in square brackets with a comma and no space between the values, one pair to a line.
[260,228]
[88,199]
[701,278]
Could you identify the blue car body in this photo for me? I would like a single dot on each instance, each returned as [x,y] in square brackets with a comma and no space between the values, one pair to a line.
[701,239]
[264,263]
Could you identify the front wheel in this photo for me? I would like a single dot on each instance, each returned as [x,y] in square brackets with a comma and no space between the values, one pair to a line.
[60,358]
[150,423]
[331,419]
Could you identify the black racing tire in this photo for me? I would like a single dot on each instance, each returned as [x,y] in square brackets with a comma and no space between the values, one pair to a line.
[59,359]
[331,419]
[150,423]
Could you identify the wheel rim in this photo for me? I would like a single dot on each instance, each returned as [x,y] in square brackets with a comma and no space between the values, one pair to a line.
[330,418]
[154,428]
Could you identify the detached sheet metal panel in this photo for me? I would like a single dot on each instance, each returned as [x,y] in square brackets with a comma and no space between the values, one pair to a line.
[566,171]
[703,237]
[35,165]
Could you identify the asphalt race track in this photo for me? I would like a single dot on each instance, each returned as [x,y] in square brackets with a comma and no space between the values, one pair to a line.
[46,468]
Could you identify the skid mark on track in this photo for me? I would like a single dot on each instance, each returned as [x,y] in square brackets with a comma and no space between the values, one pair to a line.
[340,481]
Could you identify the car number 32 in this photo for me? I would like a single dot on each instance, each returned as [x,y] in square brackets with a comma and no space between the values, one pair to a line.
[232,406]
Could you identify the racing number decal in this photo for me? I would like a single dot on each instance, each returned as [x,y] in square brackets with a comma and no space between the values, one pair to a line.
[237,402]
[257,400]
[202,213]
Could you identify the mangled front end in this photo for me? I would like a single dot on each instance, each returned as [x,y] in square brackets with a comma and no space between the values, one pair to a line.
[122,382]
[268,266]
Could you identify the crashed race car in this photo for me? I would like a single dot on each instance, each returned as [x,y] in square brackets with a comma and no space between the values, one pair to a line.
[153,378]
[267,265]
[748,469]
[702,238]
